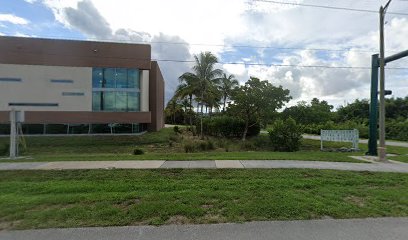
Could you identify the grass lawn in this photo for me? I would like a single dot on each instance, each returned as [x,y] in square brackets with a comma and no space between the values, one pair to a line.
[44,199]
[166,145]
[401,158]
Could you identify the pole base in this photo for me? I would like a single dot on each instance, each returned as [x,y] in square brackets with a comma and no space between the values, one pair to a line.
[382,154]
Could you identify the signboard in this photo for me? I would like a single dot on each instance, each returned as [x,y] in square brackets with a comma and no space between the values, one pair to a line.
[339,136]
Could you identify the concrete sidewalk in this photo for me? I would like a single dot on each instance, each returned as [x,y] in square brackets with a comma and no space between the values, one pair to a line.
[207,164]
[359,229]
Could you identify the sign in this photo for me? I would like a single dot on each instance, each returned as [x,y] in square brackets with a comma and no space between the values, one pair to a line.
[339,136]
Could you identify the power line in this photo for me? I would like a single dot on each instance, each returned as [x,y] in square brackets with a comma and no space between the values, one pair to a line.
[328,7]
[348,49]
[280,65]
[231,63]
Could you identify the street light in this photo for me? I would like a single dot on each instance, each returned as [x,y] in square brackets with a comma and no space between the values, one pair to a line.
[381,148]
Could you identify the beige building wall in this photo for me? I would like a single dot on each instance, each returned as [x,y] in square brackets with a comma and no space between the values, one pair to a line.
[36,86]
[144,90]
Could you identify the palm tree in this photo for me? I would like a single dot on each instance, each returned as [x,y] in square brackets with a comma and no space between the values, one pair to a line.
[187,88]
[173,107]
[202,79]
[227,85]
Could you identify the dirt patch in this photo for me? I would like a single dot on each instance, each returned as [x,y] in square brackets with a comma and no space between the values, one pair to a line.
[207,206]
[213,218]
[128,203]
[359,201]
[178,219]
[6,225]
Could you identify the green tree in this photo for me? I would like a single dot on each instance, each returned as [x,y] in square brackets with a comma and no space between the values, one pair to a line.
[173,109]
[357,111]
[203,79]
[257,99]
[227,85]
[315,112]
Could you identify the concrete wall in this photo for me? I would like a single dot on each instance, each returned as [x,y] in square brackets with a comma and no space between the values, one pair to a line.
[144,90]
[156,97]
[36,86]
[50,52]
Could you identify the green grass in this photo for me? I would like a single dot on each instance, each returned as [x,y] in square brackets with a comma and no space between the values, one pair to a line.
[165,145]
[401,158]
[302,155]
[78,198]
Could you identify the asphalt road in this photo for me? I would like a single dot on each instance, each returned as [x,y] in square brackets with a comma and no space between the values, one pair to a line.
[359,229]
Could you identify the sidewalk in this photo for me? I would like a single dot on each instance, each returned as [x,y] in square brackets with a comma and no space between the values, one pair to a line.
[207,164]
[329,229]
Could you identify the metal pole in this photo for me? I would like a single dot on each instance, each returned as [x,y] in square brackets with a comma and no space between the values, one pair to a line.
[381,148]
[372,141]
[13,129]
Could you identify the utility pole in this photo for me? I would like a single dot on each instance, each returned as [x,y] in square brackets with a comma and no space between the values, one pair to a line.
[381,148]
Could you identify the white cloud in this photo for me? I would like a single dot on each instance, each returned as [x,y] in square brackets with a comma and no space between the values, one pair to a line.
[242,22]
[13,19]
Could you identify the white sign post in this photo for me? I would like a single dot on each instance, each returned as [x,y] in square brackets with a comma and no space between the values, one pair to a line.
[340,136]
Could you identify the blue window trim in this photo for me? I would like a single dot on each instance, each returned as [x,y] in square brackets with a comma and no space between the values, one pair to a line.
[35,104]
[61,81]
[6,79]
[73,94]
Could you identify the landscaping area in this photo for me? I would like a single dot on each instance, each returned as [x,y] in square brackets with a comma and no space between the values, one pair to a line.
[169,145]
[78,198]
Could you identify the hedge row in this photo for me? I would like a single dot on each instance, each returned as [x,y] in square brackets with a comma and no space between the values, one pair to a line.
[226,126]
[396,130]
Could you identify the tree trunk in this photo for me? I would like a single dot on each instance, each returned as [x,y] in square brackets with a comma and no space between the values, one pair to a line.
[201,122]
[245,130]
[191,111]
[225,99]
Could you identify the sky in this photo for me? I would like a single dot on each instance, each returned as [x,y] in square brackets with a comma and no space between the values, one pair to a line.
[312,51]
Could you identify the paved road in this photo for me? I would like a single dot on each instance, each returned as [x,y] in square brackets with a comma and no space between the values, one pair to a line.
[359,229]
[207,164]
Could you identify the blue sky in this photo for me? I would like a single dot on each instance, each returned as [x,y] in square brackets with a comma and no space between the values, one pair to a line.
[221,26]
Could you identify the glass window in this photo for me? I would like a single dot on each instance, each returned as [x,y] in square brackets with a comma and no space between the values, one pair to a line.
[109,101]
[115,89]
[121,101]
[121,78]
[133,103]
[97,77]
[109,78]
[96,101]
[133,78]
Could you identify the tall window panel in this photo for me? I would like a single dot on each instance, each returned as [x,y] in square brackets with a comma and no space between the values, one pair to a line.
[115,90]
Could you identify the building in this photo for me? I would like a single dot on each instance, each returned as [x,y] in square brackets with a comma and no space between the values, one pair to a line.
[72,85]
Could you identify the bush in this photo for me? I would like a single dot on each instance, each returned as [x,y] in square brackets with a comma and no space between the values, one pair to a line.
[227,126]
[285,135]
[4,149]
[138,151]
[176,129]
[189,147]
[196,146]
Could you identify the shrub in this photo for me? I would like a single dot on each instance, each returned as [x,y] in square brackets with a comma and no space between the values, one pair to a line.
[227,126]
[4,149]
[195,146]
[138,151]
[176,129]
[189,147]
[285,135]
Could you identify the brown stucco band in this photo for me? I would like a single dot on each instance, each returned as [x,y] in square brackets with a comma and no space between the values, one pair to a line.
[156,97]
[50,52]
[60,117]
